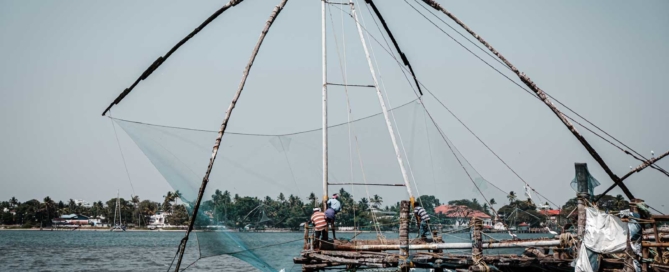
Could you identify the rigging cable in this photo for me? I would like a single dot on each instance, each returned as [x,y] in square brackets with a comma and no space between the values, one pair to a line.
[643,159]
[122,156]
[348,123]
[430,92]
[387,97]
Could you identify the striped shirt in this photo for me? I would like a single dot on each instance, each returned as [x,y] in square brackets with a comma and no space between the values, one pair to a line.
[318,218]
[420,212]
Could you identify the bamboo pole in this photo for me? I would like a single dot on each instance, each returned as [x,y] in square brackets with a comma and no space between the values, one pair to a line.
[404,228]
[224,125]
[325,108]
[637,169]
[582,195]
[436,246]
[383,104]
[540,93]
[176,47]
[477,242]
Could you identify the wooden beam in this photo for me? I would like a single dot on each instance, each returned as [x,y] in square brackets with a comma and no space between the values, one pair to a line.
[635,170]
[370,184]
[540,93]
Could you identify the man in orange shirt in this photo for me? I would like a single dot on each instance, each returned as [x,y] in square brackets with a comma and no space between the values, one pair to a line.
[318,219]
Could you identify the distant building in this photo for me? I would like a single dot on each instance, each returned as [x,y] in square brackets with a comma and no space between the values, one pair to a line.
[97,221]
[82,202]
[551,216]
[460,215]
[523,226]
[70,220]
[158,220]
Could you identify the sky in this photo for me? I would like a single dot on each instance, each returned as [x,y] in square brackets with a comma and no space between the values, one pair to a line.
[62,63]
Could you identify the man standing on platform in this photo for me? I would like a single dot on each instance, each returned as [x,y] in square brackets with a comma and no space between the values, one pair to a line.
[318,219]
[334,206]
[422,219]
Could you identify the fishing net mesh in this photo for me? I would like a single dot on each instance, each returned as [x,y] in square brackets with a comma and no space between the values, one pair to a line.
[261,185]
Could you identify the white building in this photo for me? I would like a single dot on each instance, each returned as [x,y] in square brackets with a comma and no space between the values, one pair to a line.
[159,220]
[82,202]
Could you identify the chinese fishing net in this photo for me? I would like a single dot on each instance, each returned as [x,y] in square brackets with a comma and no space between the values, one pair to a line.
[263,187]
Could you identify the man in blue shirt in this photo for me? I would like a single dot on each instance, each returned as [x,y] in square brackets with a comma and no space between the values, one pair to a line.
[334,206]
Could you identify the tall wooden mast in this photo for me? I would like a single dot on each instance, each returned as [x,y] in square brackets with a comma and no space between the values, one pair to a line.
[325,107]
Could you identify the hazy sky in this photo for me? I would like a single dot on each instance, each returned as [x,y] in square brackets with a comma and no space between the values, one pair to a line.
[62,63]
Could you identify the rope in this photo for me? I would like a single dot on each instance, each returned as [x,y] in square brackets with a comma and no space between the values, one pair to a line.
[352,130]
[520,86]
[260,134]
[125,165]
[424,87]
[392,113]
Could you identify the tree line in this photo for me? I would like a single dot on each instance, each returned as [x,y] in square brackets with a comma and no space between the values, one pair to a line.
[288,212]
[35,213]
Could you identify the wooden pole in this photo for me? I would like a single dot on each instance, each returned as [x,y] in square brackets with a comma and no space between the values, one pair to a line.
[582,195]
[176,47]
[637,169]
[404,229]
[224,125]
[540,93]
[324,61]
[476,225]
[383,104]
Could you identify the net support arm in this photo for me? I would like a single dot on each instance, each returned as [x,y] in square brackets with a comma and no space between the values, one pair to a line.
[383,104]
[644,165]
[540,93]
[405,61]
[224,125]
[162,59]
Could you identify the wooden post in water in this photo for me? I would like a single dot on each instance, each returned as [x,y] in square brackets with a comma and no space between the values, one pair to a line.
[582,194]
[476,225]
[404,232]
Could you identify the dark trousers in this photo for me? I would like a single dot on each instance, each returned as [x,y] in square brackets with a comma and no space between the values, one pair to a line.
[318,235]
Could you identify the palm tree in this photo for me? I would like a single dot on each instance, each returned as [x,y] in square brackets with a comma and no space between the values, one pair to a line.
[176,195]
[72,206]
[485,208]
[49,204]
[376,201]
[511,197]
[167,202]
[313,199]
[135,204]
[14,202]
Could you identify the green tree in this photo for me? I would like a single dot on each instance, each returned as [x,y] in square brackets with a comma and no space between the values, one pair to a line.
[511,197]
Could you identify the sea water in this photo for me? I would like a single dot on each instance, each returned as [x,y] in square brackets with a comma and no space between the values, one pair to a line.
[22,250]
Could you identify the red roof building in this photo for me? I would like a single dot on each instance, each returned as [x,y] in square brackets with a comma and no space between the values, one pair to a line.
[550,212]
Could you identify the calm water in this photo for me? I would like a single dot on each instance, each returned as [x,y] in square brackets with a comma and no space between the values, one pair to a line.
[139,251]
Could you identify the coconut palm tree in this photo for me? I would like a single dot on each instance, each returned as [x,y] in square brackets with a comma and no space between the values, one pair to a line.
[14,202]
[313,199]
[167,205]
[376,201]
[511,197]
[135,205]
[49,206]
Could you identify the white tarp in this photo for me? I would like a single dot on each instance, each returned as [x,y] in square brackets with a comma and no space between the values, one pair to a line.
[604,234]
